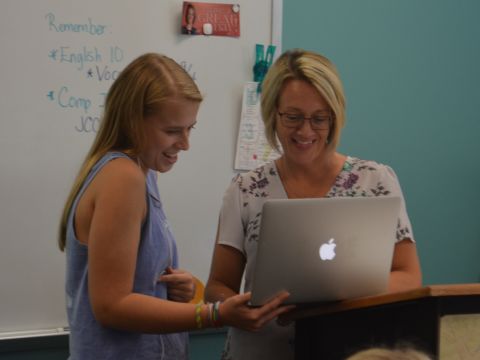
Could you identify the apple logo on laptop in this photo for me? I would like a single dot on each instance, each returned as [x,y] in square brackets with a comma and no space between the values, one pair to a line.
[327,250]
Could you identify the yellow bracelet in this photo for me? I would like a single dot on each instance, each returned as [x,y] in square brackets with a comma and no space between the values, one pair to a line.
[198,316]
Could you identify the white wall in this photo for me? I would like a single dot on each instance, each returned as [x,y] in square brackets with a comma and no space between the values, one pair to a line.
[42,142]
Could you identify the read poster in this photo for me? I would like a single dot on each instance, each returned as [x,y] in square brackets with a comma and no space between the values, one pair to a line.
[200,18]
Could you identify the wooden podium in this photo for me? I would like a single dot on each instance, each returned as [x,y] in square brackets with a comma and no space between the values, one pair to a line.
[443,320]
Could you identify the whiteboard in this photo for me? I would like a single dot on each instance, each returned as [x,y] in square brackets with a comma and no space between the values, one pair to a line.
[58,60]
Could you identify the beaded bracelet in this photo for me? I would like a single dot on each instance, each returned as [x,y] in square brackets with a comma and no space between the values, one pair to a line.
[198,315]
[213,314]
[216,314]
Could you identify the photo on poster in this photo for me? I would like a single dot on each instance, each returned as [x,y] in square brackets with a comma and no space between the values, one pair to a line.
[200,18]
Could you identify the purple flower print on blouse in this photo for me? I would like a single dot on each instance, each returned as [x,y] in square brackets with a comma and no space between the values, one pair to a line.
[262,183]
[350,181]
[255,184]
[253,228]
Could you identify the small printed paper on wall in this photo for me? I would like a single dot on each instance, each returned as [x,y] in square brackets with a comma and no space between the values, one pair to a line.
[200,18]
[253,149]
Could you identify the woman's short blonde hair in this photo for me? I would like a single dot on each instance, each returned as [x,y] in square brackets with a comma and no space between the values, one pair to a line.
[389,354]
[316,70]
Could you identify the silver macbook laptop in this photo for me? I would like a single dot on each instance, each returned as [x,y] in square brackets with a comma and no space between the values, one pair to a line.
[325,249]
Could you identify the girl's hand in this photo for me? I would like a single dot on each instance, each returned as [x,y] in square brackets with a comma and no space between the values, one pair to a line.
[180,284]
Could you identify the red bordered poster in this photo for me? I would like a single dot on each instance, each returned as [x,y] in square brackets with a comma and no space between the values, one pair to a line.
[200,18]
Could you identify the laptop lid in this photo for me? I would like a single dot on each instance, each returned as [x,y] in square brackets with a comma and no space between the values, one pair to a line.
[325,249]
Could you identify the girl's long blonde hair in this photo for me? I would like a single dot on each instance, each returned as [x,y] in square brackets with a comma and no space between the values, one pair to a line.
[140,89]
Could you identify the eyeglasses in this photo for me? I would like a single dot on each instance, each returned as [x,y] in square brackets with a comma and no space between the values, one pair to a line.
[317,122]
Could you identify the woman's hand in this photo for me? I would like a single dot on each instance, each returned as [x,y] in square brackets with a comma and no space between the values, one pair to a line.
[180,284]
[236,312]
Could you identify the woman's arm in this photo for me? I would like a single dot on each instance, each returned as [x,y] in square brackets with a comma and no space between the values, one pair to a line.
[225,274]
[118,209]
[406,273]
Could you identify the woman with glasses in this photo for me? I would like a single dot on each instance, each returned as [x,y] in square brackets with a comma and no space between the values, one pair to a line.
[303,109]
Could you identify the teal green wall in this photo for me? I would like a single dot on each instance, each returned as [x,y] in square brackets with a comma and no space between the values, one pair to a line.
[411,71]
[207,345]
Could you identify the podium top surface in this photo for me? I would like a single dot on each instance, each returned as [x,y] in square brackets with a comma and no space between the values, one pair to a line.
[382,299]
